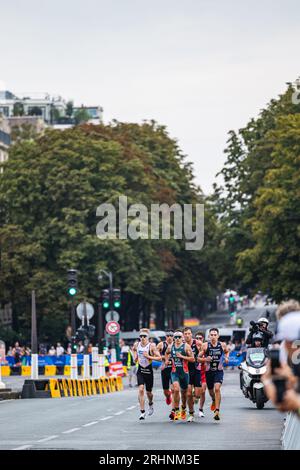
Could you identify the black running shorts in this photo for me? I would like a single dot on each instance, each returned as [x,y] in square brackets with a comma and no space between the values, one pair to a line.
[166,378]
[145,377]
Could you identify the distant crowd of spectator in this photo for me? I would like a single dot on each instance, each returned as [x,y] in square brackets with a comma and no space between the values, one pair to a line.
[18,352]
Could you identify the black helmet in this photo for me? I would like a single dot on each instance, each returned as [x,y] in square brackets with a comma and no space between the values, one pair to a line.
[258,337]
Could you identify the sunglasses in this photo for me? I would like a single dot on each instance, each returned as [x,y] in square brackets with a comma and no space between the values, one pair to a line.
[169,336]
[199,337]
[177,337]
[143,336]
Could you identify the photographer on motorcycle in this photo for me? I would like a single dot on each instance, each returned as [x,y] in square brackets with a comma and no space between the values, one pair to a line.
[260,327]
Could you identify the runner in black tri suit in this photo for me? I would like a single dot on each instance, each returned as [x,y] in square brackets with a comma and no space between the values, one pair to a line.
[194,374]
[212,354]
[166,368]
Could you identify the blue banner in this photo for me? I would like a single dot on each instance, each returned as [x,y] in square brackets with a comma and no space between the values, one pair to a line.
[47,360]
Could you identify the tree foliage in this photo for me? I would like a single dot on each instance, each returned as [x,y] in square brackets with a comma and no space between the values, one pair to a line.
[49,191]
[258,202]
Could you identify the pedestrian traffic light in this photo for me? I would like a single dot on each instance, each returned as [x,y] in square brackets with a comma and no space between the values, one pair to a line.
[72,282]
[105,299]
[117,298]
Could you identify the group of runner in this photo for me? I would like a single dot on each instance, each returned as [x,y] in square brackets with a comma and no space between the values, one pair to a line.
[189,365]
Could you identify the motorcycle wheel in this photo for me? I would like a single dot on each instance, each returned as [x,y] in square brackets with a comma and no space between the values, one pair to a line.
[260,399]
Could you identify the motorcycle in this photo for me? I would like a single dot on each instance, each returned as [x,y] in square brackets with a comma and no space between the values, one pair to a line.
[251,371]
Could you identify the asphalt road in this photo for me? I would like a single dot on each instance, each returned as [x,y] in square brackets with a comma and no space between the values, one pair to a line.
[110,421]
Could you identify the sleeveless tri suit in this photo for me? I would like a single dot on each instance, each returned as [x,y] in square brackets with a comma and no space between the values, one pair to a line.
[145,370]
[180,370]
[214,369]
[166,369]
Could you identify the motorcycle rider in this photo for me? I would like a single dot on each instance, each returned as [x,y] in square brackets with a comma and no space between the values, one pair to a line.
[257,340]
[262,327]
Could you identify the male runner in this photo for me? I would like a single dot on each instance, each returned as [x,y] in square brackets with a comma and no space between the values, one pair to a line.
[166,367]
[199,341]
[194,373]
[145,352]
[212,353]
[181,354]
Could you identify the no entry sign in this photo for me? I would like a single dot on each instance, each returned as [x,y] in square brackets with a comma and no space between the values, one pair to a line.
[112,327]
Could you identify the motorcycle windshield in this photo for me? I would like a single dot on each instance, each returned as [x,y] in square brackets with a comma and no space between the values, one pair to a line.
[255,356]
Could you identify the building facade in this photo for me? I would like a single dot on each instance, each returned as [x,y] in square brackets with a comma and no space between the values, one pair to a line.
[52,109]
[5,140]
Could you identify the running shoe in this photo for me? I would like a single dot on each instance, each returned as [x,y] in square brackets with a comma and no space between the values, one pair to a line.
[201,414]
[191,419]
[213,406]
[177,415]
[151,410]
[142,416]
[183,413]
[216,415]
[169,398]
[172,415]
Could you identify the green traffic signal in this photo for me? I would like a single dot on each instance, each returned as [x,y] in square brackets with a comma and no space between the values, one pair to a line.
[72,291]
[105,304]
[117,304]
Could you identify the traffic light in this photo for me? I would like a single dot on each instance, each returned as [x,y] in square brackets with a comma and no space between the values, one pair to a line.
[74,346]
[117,298]
[105,299]
[72,282]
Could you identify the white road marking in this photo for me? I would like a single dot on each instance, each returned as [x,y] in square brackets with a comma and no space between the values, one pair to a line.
[119,413]
[23,447]
[105,418]
[70,430]
[89,424]
[45,439]
[131,407]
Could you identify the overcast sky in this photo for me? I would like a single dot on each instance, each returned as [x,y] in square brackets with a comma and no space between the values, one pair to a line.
[201,67]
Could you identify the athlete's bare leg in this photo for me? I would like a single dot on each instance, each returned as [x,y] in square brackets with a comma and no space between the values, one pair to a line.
[190,399]
[202,397]
[176,394]
[212,394]
[141,397]
[150,397]
[183,398]
[218,395]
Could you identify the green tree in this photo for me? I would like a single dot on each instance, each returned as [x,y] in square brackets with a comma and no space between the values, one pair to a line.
[49,191]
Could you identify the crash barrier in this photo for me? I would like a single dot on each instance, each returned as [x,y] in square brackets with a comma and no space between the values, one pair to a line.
[58,388]
[290,439]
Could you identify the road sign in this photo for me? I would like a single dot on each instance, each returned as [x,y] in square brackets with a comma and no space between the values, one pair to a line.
[112,315]
[89,310]
[112,327]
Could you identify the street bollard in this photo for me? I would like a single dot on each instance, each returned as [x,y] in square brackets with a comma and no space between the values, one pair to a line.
[95,369]
[86,366]
[74,368]
[2,384]
[34,366]
[101,365]
[2,360]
